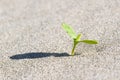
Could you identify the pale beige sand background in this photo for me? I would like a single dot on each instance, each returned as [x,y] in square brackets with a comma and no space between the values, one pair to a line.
[34,26]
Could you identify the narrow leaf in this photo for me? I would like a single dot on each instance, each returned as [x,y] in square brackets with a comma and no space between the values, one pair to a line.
[89,41]
[69,30]
[78,37]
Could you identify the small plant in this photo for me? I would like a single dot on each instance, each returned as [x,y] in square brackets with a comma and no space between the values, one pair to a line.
[76,38]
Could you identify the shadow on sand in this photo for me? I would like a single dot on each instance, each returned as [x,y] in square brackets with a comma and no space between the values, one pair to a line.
[34,55]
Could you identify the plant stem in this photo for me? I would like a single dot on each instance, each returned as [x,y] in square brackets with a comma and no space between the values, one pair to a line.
[73,49]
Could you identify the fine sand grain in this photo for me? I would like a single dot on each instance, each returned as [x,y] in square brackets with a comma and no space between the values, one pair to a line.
[33,45]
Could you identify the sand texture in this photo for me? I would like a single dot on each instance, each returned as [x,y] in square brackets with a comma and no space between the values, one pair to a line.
[33,45]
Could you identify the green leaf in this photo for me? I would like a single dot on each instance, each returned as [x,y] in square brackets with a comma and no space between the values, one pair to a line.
[78,37]
[69,30]
[89,41]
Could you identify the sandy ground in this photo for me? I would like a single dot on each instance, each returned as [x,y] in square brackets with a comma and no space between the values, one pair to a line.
[33,45]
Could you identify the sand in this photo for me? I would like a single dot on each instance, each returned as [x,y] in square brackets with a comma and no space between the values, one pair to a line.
[33,45]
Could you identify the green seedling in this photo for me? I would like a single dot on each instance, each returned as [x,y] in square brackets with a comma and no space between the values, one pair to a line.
[76,38]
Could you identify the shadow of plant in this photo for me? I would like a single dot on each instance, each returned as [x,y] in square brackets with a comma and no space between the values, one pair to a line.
[33,55]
